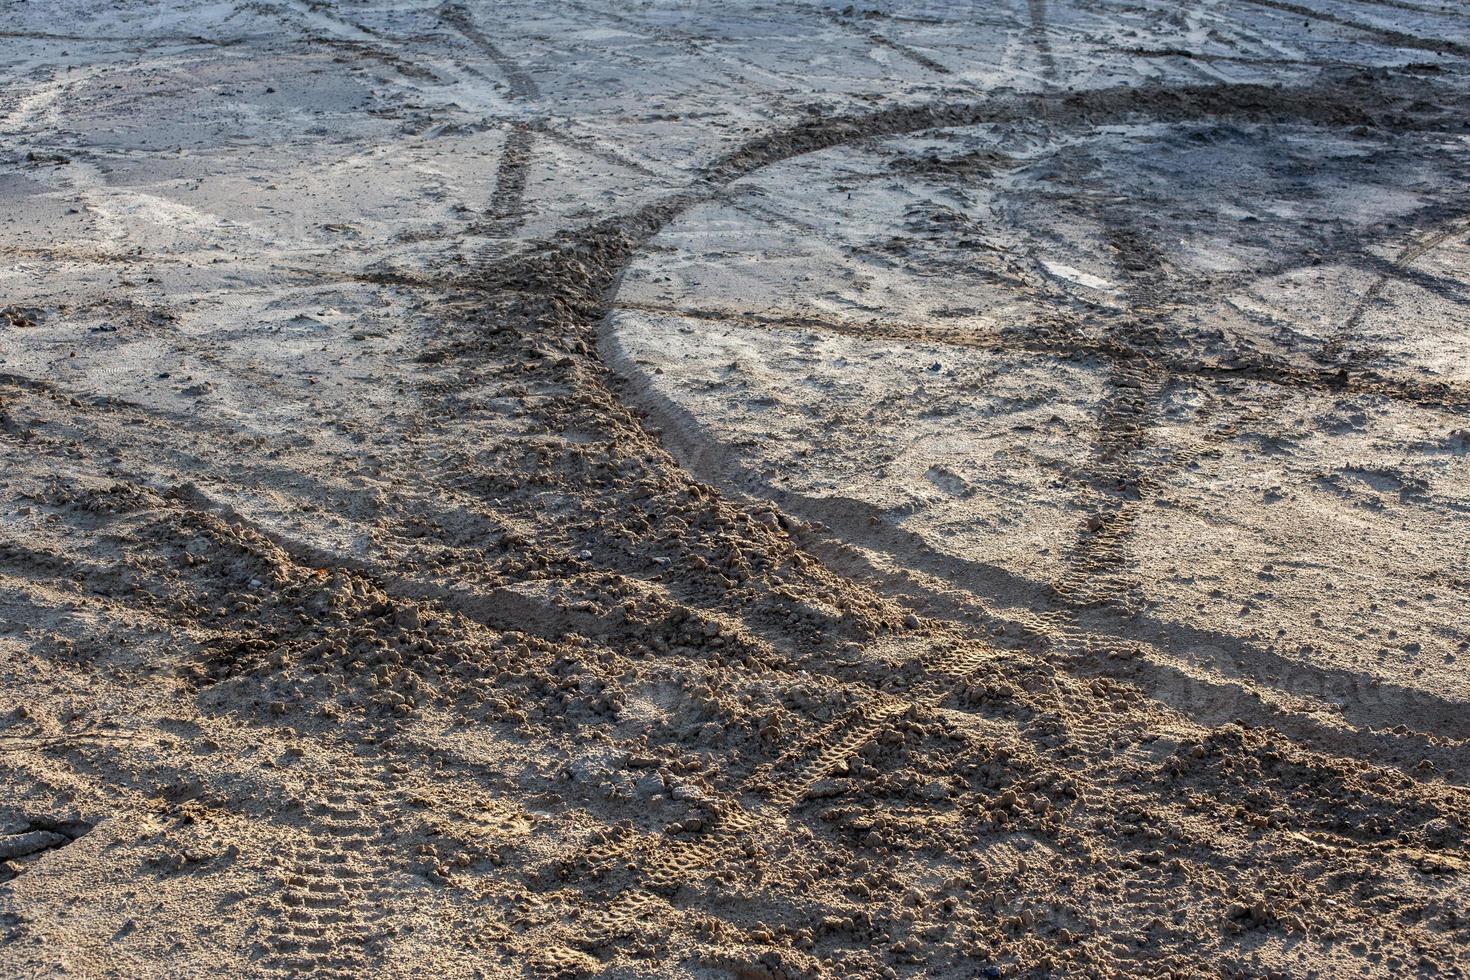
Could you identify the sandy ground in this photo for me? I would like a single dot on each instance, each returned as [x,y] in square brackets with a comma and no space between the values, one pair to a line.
[723,490]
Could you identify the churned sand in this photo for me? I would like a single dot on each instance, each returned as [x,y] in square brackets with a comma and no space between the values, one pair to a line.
[735,490]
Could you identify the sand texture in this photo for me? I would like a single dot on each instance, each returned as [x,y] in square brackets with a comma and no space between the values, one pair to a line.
[733,490]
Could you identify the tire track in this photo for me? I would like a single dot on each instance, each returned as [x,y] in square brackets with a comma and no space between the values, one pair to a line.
[1413,8]
[784,783]
[359,40]
[143,41]
[557,292]
[696,45]
[1138,363]
[782,786]
[1039,32]
[1393,38]
[592,148]
[1139,383]
[325,930]
[917,57]
[507,210]
[523,87]
[1406,257]
[1119,481]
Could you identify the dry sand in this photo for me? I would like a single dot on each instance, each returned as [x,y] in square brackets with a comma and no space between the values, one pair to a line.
[785,490]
